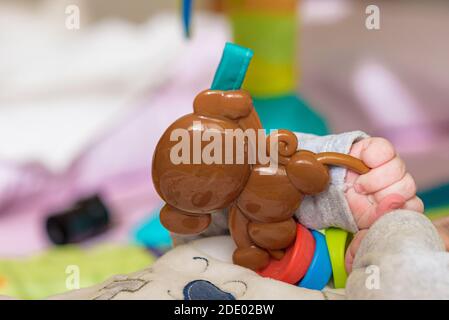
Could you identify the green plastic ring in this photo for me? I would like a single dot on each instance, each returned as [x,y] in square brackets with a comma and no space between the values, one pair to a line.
[337,241]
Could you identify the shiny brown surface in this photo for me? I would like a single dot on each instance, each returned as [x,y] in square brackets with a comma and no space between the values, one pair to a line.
[238,227]
[287,142]
[197,188]
[269,197]
[273,236]
[200,187]
[307,174]
[252,258]
[180,222]
[231,105]
[194,186]
[277,254]
[343,160]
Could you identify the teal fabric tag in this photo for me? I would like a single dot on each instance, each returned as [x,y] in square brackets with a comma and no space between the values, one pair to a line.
[232,68]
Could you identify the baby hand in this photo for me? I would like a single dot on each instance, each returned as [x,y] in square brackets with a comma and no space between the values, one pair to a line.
[388,185]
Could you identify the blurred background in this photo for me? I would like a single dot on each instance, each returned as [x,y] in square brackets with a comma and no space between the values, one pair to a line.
[82,106]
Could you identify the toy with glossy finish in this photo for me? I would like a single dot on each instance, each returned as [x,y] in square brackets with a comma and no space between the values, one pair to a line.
[320,269]
[337,241]
[262,205]
[296,261]
[262,199]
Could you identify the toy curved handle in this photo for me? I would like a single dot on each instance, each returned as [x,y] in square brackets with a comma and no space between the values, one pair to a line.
[343,160]
[232,68]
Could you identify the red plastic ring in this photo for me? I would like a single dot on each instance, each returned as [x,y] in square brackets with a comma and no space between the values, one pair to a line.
[293,266]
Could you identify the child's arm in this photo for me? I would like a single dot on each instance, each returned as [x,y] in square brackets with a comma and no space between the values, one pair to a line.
[354,202]
[329,208]
[400,257]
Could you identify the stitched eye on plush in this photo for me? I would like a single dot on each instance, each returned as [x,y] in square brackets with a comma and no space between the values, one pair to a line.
[204,260]
[237,288]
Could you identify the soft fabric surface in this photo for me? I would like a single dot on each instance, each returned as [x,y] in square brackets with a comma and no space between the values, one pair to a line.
[188,271]
[404,251]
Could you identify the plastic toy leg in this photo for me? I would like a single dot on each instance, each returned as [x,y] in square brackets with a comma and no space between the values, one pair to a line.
[277,254]
[247,253]
[273,236]
[181,222]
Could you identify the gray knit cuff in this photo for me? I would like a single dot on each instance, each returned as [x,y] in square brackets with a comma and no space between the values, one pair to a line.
[329,208]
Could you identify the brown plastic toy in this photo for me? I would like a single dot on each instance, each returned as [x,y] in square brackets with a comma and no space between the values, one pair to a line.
[261,206]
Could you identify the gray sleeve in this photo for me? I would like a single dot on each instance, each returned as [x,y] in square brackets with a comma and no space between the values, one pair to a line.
[329,208]
[401,257]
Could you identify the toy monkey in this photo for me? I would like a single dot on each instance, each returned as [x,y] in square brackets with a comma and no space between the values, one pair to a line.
[262,199]
[194,191]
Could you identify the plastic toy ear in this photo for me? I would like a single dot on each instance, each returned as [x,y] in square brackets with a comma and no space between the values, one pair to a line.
[235,105]
[232,105]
